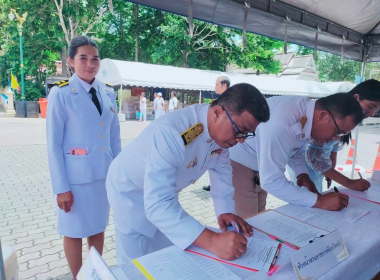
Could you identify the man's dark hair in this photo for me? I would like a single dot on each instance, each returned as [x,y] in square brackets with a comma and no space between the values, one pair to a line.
[79,42]
[341,105]
[367,90]
[244,97]
[225,81]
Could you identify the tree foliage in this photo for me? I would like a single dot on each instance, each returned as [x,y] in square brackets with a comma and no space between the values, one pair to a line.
[160,38]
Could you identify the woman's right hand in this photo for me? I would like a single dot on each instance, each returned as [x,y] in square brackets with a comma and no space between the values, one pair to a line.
[359,185]
[65,201]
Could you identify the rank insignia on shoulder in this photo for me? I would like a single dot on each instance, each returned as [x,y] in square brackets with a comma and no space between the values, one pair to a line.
[61,83]
[192,133]
[108,85]
[216,152]
[192,163]
[303,121]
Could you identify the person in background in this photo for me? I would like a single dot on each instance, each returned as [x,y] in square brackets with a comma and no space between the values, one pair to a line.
[160,111]
[144,181]
[321,160]
[142,106]
[83,137]
[173,102]
[221,85]
[155,105]
[258,165]
[138,114]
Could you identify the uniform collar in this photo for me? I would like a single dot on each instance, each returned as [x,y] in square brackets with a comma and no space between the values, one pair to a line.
[86,86]
[202,116]
[309,114]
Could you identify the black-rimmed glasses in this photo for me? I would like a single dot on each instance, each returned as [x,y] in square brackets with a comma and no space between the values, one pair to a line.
[340,134]
[238,133]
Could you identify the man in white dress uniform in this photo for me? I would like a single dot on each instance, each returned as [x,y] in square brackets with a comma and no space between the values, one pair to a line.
[294,122]
[173,152]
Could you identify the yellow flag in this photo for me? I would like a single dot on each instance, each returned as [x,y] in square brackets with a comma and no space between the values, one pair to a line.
[14,83]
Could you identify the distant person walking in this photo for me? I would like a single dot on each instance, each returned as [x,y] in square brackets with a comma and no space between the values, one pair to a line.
[160,106]
[173,102]
[142,106]
[155,105]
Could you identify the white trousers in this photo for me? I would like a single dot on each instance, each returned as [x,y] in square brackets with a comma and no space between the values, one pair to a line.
[134,244]
[143,113]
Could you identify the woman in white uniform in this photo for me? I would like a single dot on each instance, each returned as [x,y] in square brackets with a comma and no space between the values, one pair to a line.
[83,137]
[160,106]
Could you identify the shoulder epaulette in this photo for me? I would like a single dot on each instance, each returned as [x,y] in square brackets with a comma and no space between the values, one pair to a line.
[62,83]
[192,133]
[108,85]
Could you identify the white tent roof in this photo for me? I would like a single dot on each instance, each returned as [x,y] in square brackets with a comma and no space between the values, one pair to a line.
[118,72]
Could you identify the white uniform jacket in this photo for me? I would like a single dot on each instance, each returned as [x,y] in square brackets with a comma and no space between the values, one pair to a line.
[143,182]
[279,142]
[73,122]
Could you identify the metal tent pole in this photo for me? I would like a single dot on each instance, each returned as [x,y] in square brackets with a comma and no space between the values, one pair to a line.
[200,96]
[2,270]
[357,128]
[120,94]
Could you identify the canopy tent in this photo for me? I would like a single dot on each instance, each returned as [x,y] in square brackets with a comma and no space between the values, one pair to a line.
[117,72]
[352,23]
[350,28]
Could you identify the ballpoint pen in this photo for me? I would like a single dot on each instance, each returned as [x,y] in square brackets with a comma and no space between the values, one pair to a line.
[235,227]
[360,175]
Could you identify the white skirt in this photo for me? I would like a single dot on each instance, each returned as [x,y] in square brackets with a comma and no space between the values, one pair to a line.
[159,113]
[89,214]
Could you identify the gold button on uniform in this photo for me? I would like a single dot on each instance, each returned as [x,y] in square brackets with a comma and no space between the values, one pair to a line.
[101,123]
[101,148]
[303,136]
[101,136]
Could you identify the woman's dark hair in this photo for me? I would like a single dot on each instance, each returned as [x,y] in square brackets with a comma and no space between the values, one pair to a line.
[367,90]
[346,139]
[79,42]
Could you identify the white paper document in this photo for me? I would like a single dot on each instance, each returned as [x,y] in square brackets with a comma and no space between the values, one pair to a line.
[286,228]
[349,214]
[173,263]
[260,254]
[370,195]
[94,267]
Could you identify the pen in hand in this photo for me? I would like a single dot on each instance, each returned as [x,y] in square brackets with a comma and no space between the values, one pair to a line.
[235,227]
[360,175]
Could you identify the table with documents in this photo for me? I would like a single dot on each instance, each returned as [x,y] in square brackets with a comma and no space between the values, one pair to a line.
[359,227]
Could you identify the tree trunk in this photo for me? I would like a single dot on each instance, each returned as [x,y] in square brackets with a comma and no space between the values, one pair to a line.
[65,70]
[137,33]
[185,58]
[121,39]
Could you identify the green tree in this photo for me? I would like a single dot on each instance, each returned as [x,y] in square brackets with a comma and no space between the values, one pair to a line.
[39,41]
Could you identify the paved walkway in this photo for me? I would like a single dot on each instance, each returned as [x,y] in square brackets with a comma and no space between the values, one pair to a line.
[27,206]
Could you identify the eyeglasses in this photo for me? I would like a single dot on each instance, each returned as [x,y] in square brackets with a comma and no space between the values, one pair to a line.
[340,134]
[238,133]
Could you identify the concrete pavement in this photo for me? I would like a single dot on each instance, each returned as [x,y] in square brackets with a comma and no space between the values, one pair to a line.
[27,205]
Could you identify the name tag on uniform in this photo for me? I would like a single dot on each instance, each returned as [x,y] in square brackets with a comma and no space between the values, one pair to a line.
[192,163]
[216,152]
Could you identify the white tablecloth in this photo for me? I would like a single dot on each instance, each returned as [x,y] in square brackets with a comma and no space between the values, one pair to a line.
[362,240]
